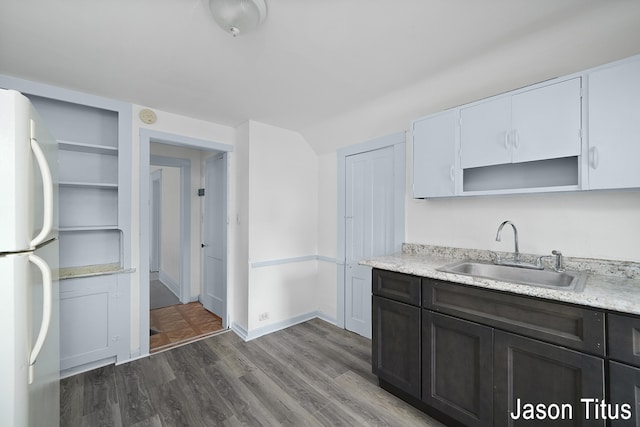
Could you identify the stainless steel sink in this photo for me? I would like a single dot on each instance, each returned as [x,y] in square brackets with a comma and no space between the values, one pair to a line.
[573,280]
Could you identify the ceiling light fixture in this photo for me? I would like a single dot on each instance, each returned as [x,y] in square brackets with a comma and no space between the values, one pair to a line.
[238,16]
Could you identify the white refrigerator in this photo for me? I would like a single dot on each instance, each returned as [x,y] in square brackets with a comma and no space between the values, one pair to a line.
[29,292]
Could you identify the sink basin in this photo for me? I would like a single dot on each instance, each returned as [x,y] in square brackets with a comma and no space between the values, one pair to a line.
[573,281]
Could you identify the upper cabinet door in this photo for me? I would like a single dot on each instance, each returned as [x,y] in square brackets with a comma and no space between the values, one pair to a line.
[434,153]
[485,133]
[546,122]
[614,126]
[538,124]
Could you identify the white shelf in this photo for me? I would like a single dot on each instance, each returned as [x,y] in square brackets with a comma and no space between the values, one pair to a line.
[88,228]
[105,185]
[87,148]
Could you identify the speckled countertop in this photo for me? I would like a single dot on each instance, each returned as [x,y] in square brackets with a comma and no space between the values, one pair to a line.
[610,285]
[92,270]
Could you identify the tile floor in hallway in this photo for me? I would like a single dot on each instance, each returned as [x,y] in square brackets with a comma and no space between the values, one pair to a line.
[178,324]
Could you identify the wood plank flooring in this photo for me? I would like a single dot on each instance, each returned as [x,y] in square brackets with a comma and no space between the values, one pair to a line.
[311,374]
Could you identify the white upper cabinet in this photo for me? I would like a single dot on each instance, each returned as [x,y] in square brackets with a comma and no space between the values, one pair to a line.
[534,124]
[530,140]
[547,122]
[434,154]
[484,133]
[614,126]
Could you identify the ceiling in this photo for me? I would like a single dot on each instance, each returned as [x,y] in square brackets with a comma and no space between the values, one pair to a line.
[311,60]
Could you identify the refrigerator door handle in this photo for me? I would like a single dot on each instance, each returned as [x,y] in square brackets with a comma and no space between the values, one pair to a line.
[47,190]
[47,300]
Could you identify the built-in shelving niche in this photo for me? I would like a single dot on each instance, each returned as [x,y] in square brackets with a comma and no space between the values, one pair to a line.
[562,173]
[93,136]
[88,185]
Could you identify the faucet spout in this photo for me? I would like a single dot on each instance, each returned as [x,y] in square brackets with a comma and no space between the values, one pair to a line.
[516,255]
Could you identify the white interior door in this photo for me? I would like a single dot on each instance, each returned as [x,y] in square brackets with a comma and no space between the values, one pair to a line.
[214,296]
[369,226]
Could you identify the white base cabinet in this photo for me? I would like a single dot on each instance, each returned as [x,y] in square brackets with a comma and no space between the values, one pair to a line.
[94,316]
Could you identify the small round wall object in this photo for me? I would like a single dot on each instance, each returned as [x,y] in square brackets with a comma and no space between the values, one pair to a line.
[147,116]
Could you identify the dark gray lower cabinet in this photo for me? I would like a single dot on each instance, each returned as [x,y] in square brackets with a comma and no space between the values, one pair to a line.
[554,380]
[396,344]
[623,333]
[479,357]
[624,392]
[457,368]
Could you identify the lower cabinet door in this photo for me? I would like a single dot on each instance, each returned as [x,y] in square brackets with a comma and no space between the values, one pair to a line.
[94,320]
[396,344]
[543,384]
[624,387]
[457,370]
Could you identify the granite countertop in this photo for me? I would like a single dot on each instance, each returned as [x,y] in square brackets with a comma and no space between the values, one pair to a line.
[92,270]
[610,285]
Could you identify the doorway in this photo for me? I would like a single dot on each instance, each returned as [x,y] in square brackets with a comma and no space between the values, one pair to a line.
[371,183]
[176,314]
[190,310]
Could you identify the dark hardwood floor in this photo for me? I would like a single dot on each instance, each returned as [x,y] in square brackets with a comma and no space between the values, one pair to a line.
[311,374]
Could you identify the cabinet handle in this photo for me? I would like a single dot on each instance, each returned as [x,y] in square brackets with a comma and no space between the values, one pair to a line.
[451,175]
[516,139]
[506,139]
[595,158]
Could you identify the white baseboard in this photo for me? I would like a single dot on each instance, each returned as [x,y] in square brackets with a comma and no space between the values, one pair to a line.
[86,367]
[283,324]
[329,319]
[170,283]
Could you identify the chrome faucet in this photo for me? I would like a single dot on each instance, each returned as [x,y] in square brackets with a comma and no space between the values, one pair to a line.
[559,263]
[516,254]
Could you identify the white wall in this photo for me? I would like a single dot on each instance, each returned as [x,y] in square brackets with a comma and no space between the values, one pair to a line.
[283,211]
[283,194]
[170,248]
[326,288]
[169,223]
[239,223]
[590,225]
